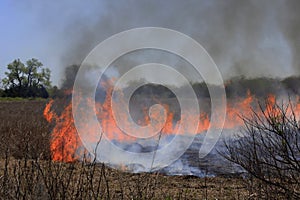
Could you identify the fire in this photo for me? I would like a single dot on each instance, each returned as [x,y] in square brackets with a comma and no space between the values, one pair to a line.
[65,142]
[66,145]
[48,114]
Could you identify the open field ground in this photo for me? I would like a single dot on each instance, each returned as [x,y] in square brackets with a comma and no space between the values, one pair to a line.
[27,171]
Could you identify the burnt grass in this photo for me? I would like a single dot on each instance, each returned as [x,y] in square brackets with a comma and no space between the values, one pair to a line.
[27,171]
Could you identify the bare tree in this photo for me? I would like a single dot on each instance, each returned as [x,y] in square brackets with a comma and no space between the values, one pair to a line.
[268,148]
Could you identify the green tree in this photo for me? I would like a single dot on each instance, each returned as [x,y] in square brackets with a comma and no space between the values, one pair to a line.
[30,80]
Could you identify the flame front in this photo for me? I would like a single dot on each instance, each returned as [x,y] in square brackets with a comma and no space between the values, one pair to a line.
[66,146]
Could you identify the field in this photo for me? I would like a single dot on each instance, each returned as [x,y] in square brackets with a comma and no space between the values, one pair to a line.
[27,171]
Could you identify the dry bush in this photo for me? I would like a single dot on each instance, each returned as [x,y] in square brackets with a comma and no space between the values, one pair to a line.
[41,179]
[269,150]
[38,179]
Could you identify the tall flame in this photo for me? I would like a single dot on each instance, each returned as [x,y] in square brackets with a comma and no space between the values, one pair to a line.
[66,145]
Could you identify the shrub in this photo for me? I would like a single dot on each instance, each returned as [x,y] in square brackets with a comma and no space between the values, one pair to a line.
[269,150]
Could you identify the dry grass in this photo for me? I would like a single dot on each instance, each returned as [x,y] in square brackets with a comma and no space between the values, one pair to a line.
[32,179]
[27,172]
[23,129]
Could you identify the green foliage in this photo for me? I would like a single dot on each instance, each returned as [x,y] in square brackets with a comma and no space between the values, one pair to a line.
[30,80]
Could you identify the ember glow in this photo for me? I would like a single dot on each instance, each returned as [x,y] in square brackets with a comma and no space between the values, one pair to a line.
[67,147]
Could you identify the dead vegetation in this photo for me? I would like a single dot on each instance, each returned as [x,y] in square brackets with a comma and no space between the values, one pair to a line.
[269,150]
[27,172]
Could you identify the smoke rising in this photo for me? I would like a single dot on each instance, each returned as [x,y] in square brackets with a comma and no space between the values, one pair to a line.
[249,38]
[290,25]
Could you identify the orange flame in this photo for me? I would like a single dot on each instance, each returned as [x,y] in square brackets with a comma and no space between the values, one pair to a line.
[65,143]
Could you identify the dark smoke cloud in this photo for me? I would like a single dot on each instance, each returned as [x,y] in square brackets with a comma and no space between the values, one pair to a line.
[250,38]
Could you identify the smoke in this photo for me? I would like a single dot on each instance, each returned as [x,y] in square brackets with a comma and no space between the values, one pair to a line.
[290,25]
[249,38]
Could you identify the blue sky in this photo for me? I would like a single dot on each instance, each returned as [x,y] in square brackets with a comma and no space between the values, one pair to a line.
[36,29]
[21,36]
[244,38]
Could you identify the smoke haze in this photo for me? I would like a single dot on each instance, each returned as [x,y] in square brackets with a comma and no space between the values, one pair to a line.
[250,38]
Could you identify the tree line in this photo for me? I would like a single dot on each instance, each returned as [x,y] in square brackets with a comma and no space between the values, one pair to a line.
[32,79]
